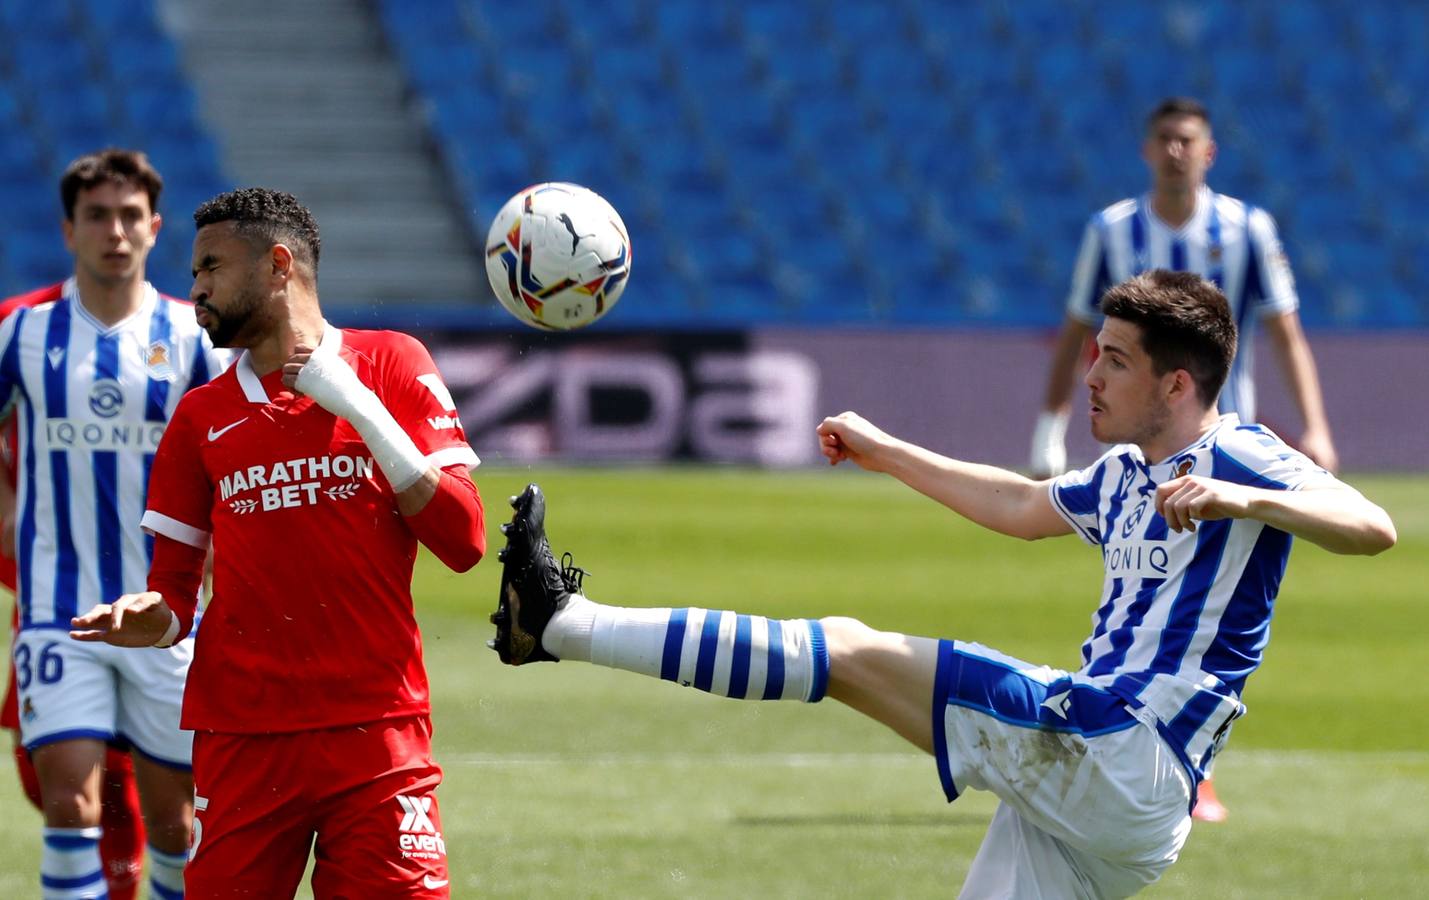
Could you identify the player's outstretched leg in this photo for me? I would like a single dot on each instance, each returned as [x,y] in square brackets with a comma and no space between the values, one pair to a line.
[542,614]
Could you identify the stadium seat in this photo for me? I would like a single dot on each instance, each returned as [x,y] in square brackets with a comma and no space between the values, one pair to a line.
[959,135]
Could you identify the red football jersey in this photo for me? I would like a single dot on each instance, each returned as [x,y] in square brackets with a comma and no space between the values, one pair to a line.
[310,624]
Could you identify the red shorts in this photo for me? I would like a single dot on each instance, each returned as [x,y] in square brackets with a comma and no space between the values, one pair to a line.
[365,792]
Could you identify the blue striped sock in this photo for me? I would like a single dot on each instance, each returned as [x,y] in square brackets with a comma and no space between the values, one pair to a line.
[725,653]
[166,874]
[70,867]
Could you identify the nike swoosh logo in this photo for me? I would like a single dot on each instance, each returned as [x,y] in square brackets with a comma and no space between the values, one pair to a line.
[215,435]
[430,882]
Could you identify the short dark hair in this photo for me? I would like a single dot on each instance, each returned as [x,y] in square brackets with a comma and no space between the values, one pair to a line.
[272,217]
[1185,323]
[1178,106]
[112,164]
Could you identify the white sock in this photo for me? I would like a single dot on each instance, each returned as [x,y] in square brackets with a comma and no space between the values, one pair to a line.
[725,653]
[568,633]
[70,867]
[166,874]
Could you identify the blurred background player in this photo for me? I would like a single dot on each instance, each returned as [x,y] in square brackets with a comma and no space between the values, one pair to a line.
[96,365]
[314,502]
[1184,226]
[121,844]
[1096,769]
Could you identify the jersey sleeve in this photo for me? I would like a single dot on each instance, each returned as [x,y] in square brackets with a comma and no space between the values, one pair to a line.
[1091,277]
[415,394]
[1255,456]
[1076,496]
[1269,283]
[180,493]
[9,360]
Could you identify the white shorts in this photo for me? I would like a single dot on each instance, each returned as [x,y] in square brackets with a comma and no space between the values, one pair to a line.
[68,689]
[1094,803]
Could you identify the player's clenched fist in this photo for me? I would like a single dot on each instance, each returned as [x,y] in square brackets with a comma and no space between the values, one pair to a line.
[1183,501]
[134,620]
[850,436]
[294,366]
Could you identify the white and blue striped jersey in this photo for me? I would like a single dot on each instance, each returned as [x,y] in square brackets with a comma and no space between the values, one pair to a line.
[1184,617]
[91,403]
[1233,244]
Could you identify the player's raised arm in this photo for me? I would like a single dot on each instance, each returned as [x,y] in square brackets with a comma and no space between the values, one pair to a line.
[994,498]
[441,505]
[1334,516]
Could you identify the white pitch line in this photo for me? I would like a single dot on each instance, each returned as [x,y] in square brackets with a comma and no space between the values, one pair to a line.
[1232,758]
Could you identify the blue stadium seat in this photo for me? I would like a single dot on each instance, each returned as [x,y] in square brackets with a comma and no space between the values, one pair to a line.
[138,59]
[45,23]
[37,255]
[430,20]
[61,61]
[81,74]
[447,69]
[813,158]
[135,17]
[521,26]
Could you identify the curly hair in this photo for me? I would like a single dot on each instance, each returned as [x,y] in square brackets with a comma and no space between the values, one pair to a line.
[266,216]
[1185,324]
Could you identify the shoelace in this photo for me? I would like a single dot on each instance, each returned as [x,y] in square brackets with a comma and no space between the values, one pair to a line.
[572,574]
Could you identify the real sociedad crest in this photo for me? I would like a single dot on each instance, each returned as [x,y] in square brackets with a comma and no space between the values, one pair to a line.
[158,360]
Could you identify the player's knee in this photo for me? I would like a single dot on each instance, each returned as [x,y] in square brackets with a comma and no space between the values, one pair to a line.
[68,806]
[169,831]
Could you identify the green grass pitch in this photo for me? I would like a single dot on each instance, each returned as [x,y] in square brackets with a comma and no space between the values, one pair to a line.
[568,780]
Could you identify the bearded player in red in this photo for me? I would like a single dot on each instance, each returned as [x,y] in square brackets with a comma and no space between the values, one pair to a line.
[315,464]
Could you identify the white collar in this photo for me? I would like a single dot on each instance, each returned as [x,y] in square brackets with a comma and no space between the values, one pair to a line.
[1204,199]
[253,385]
[70,292]
[1228,420]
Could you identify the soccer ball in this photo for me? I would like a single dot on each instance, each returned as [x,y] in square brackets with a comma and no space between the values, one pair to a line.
[558,256]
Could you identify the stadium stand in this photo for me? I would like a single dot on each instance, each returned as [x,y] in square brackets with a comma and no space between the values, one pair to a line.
[927,162]
[906,163]
[76,75]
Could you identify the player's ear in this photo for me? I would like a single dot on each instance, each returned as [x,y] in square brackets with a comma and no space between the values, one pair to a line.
[1180,386]
[282,261]
[156,222]
[1211,150]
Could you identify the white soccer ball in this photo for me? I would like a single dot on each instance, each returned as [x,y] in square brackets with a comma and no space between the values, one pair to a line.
[558,256]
